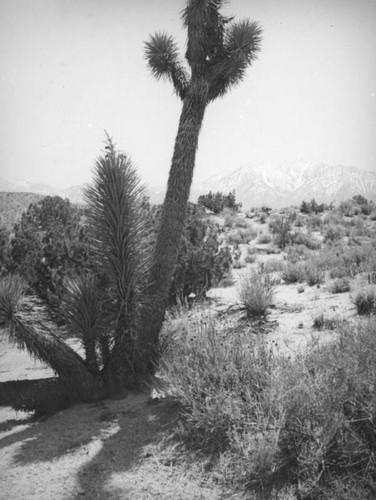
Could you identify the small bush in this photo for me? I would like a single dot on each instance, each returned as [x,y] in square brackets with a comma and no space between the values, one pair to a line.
[365,299]
[256,290]
[296,253]
[313,274]
[281,227]
[263,217]
[274,266]
[293,273]
[251,256]
[321,322]
[239,236]
[333,233]
[306,240]
[231,219]
[340,285]
[264,238]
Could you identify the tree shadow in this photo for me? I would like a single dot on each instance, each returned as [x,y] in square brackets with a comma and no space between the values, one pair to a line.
[137,428]
[109,437]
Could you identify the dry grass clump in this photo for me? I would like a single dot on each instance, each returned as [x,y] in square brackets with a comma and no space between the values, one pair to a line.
[306,426]
[256,290]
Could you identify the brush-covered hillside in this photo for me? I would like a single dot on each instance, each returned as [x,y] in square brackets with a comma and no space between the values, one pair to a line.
[13,204]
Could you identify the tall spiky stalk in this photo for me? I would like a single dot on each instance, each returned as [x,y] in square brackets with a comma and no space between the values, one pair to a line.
[218,53]
[121,229]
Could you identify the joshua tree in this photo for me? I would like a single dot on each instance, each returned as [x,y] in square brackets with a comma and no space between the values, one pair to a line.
[218,52]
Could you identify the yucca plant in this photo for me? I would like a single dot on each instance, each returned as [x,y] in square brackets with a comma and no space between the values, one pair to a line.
[25,322]
[122,242]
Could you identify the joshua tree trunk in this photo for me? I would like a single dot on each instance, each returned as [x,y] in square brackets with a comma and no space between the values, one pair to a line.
[218,52]
[175,207]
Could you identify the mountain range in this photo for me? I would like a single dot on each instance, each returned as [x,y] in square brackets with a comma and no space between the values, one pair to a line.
[273,184]
[284,184]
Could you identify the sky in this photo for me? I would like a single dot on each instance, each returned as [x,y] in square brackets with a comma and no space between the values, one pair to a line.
[71,69]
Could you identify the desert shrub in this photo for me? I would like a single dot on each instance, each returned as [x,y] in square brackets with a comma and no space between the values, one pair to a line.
[349,208]
[4,250]
[219,379]
[373,214]
[330,406]
[239,236]
[281,227]
[51,241]
[201,264]
[340,285]
[263,217]
[338,272]
[293,272]
[333,233]
[251,255]
[304,425]
[312,206]
[237,263]
[314,221]
[255,291]
[323,322]
[300,238]
[232,219]
[296,253]
[216,202]
[313,273]
[234,237]
[264,238]
[365,299]
[366,206]
[274,266]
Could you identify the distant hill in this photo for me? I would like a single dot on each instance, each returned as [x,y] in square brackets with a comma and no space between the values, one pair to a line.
[73,193]
[13,204]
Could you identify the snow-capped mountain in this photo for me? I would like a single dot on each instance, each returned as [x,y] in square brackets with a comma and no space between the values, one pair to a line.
[284,184]
[273,184]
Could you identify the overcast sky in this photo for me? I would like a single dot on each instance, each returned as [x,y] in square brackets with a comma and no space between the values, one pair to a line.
[72,68]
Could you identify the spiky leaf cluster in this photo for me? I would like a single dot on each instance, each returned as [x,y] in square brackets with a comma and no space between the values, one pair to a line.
[26,325]
[219,50]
